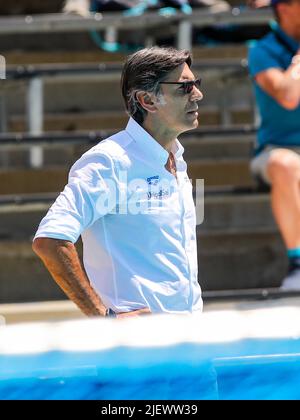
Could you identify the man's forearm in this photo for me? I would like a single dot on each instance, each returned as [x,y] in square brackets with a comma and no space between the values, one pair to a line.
[62,261]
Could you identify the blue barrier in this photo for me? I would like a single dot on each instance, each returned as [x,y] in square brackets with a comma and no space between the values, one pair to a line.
[206,366]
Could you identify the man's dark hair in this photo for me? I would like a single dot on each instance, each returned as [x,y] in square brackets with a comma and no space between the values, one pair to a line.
[144,70]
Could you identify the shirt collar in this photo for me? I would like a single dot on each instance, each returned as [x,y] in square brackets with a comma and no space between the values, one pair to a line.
[149,144]
[178,149]
[290,41]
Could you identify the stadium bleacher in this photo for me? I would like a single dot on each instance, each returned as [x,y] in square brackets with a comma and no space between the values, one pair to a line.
[239,244]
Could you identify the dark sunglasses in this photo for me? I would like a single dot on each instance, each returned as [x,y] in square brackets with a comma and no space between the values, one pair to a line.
[186,86]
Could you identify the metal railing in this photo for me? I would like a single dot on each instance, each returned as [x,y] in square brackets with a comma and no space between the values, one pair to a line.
[113,22]
[93,137]
[35,76]
[25,140]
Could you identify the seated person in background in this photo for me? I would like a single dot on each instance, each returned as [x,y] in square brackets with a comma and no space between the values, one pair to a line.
[274,64]
[83,7]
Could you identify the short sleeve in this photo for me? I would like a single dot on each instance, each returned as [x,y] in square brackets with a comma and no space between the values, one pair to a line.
[261,59]
[93,190]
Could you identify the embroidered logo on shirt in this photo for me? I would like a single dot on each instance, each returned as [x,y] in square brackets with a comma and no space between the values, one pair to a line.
[153,180]
[156,190]
[158,195]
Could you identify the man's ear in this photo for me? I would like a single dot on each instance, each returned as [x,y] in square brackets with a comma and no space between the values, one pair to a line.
[145,99]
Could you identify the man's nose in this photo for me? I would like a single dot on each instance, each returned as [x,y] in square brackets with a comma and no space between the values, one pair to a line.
[196,94]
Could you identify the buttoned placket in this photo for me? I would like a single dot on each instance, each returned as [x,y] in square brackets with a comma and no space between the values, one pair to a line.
[180,176]
[171,165]
[176,167]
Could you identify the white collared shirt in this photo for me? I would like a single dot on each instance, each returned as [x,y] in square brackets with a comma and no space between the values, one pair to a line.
[137,223]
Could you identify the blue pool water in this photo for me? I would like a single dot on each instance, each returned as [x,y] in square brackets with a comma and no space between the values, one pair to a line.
[243,369]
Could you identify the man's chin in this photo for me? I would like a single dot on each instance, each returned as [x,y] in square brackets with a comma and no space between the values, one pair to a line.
[189,126]
[194,124]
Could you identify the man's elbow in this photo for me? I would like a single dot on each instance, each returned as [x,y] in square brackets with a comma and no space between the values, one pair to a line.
[289,102]
[40,246]
[289,105]
[47,248]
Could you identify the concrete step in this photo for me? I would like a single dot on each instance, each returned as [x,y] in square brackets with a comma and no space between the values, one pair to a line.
[94,93]
[50,53]
[81,40]
[60,56]
[237,211]
[221,87]
[18,156]
[222,172]
[48,311]
[197,146]
[238,244]
[22,277]
[217,146]
[13,313]
[116,120]
[225,172]
[212,165]
[219,160]
[228,260]
[20,221]
[221,212]
[74,121]
[20,181]
[241,258]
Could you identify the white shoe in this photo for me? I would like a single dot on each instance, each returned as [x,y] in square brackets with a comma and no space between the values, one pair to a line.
[213,6]
[80,7]
[292,280]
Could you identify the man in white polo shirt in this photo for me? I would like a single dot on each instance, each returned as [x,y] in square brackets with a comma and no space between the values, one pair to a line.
[130,199]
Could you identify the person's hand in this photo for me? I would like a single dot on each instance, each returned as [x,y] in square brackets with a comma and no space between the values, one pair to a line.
[258,4]
[137,312]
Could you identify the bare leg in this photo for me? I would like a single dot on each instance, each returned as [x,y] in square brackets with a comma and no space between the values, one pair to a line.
[284,173]
[80,7]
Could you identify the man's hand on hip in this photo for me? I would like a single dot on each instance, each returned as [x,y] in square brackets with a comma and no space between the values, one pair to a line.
[137,312]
